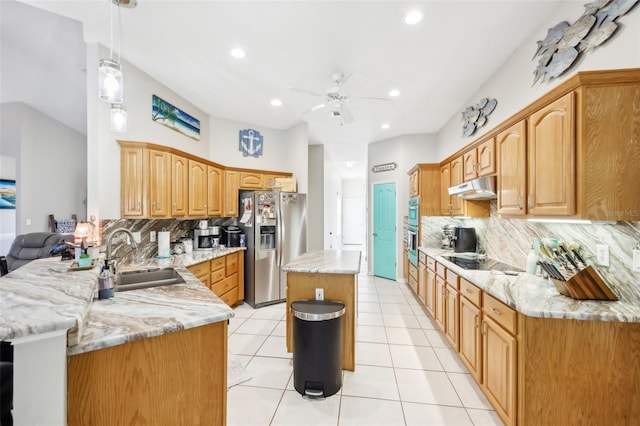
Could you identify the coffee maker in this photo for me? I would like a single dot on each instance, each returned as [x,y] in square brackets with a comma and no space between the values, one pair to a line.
[465,240]
[448,236]
[206,239]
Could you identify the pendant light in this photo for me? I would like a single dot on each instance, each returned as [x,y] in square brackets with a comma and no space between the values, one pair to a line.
[110,77]
[118,116]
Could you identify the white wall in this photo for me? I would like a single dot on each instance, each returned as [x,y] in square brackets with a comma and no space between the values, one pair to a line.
[332,204]
[405,150]
[315,198]
[7,216]
[50,169]
[511,84]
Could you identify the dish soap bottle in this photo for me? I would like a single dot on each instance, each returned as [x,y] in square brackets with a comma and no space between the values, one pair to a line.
[532,261]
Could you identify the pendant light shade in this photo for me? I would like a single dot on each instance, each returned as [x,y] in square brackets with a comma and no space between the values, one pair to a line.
[110,81]
[118,118]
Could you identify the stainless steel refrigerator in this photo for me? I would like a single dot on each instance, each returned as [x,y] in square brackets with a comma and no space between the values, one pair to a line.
[275,228]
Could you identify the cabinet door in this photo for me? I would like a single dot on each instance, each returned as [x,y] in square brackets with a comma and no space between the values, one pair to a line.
[231,182]
[158,191]
[512,173]
[486,156]
[405,265]
[445,183]
[413,184]
[413,278]
[551,156]
[422,282]
[470,338]
[131,182]
[457,177]
[452,315]
[251,180]
[439,302]
[215,187]
[430,292]
[197,189]
[470,165]
[179,186]
[499,369]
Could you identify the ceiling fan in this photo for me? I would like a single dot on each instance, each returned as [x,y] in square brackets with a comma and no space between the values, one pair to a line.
[336,98]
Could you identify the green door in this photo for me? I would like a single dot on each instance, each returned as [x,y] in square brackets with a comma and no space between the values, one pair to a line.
[384,230]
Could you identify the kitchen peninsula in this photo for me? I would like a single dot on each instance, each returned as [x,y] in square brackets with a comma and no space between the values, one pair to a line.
[129,351]
[335,271]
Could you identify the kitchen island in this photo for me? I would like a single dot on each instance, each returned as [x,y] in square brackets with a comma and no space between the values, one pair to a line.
[540,357]
[129,351]
[336,272]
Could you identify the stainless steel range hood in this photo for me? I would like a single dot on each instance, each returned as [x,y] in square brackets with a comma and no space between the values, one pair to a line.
[483,188]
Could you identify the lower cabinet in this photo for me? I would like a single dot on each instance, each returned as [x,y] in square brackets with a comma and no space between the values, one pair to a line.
[439,302]
[413,277]
[422,277]
[470,333]
[224,276]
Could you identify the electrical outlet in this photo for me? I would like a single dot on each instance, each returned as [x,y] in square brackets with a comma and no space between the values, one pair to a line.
[137,237]
[28,222]
[152,236]
[636,259]
[319,293]
[602,255]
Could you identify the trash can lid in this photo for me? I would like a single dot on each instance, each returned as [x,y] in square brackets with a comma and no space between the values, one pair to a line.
[317,310]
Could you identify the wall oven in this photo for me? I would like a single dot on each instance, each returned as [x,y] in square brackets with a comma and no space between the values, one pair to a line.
[412,245]
[414,212]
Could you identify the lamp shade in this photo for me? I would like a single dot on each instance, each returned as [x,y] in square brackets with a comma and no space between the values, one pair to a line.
[118,118]
[81,232]
[110,81]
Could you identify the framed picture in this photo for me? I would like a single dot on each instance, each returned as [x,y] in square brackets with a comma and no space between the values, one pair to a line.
[174,118]
[7,194]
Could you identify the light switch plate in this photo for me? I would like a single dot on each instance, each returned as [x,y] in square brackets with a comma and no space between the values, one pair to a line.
[602,255]
[137,237]
[152,236]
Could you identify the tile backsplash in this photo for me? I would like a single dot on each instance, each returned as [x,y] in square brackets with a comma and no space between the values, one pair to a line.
[509,240]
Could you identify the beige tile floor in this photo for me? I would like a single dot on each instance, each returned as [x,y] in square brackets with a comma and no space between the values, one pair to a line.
[406,373]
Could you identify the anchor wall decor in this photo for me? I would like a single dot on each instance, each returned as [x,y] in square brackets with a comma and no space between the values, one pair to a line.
[251,142]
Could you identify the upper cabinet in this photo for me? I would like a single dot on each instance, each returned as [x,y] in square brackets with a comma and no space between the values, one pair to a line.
[512,166]
[161,182]
[424,182]
[480,161]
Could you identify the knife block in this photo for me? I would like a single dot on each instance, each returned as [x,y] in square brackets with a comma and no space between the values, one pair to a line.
[585,284]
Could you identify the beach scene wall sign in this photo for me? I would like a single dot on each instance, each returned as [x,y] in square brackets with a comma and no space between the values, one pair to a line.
[174,118]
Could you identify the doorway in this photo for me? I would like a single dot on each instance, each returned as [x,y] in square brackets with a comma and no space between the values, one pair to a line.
[352,221]
[384,230]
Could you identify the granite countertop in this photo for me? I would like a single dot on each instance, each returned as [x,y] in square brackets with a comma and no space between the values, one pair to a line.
[326,262]
[537,297]
[45,295]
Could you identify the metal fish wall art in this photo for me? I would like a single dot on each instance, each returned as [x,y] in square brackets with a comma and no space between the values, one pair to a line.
[565,42]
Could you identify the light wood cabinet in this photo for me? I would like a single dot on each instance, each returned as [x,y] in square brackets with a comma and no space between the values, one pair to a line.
[430,286]
[413,277]
[131,182]
[215,189]
[158,190]
[424,182]
[480,161]
[451,174]
[422,276]
[231,187]
[512,170]
[414,189]
[179,186]
[438,307]
[198,194]
[223,275]
[470,335]
[551,159]
[405,265]
[445,183]
[499,358]
[251,180]
[452,309]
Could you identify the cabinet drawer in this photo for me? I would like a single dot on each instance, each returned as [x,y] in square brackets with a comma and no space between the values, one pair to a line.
[500,313]
[225,285]
[431,263]
[470,291]
[441,270]
[217,275]
[422,257]
[413,271]
[452,279]
[232,263]
[200,269]
[217,263]
[230,297]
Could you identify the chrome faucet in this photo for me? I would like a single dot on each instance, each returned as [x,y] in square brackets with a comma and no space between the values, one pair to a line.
[110,263]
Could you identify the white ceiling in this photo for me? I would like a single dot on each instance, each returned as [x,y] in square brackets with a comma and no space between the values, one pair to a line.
[437,64]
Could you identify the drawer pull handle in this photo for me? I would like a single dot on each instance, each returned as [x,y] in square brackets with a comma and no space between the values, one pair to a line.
[466,290]
[482,328]
[495,311]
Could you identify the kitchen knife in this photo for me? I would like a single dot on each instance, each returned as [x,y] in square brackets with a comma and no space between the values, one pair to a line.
[567,256]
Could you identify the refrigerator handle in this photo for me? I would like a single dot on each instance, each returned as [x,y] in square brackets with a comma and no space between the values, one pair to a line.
[279,235]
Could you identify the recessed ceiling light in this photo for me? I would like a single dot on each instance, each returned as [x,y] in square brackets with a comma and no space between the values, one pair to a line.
[237,53]
[276,102]
[385,126]
[413,17]
[394,92]
[349,164]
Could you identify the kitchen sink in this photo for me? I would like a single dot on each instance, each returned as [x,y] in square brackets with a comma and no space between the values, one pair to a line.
[136,280]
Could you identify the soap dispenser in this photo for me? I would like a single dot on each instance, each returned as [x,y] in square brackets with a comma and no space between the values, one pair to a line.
[532,261]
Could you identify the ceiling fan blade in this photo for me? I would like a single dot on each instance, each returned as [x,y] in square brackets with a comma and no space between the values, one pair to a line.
[313,108]
[346,114]
[308,92]
[371,98]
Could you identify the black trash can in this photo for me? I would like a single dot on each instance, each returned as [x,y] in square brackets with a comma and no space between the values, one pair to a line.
[317,347]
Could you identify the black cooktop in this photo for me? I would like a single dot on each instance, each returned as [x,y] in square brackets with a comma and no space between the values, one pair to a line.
[481,264]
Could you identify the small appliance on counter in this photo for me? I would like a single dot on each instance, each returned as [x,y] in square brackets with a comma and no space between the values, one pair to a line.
[465,240]
[448,233]
[206,239]
[231,236]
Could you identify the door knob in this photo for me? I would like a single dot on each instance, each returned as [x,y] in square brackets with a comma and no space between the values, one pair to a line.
[375,234]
